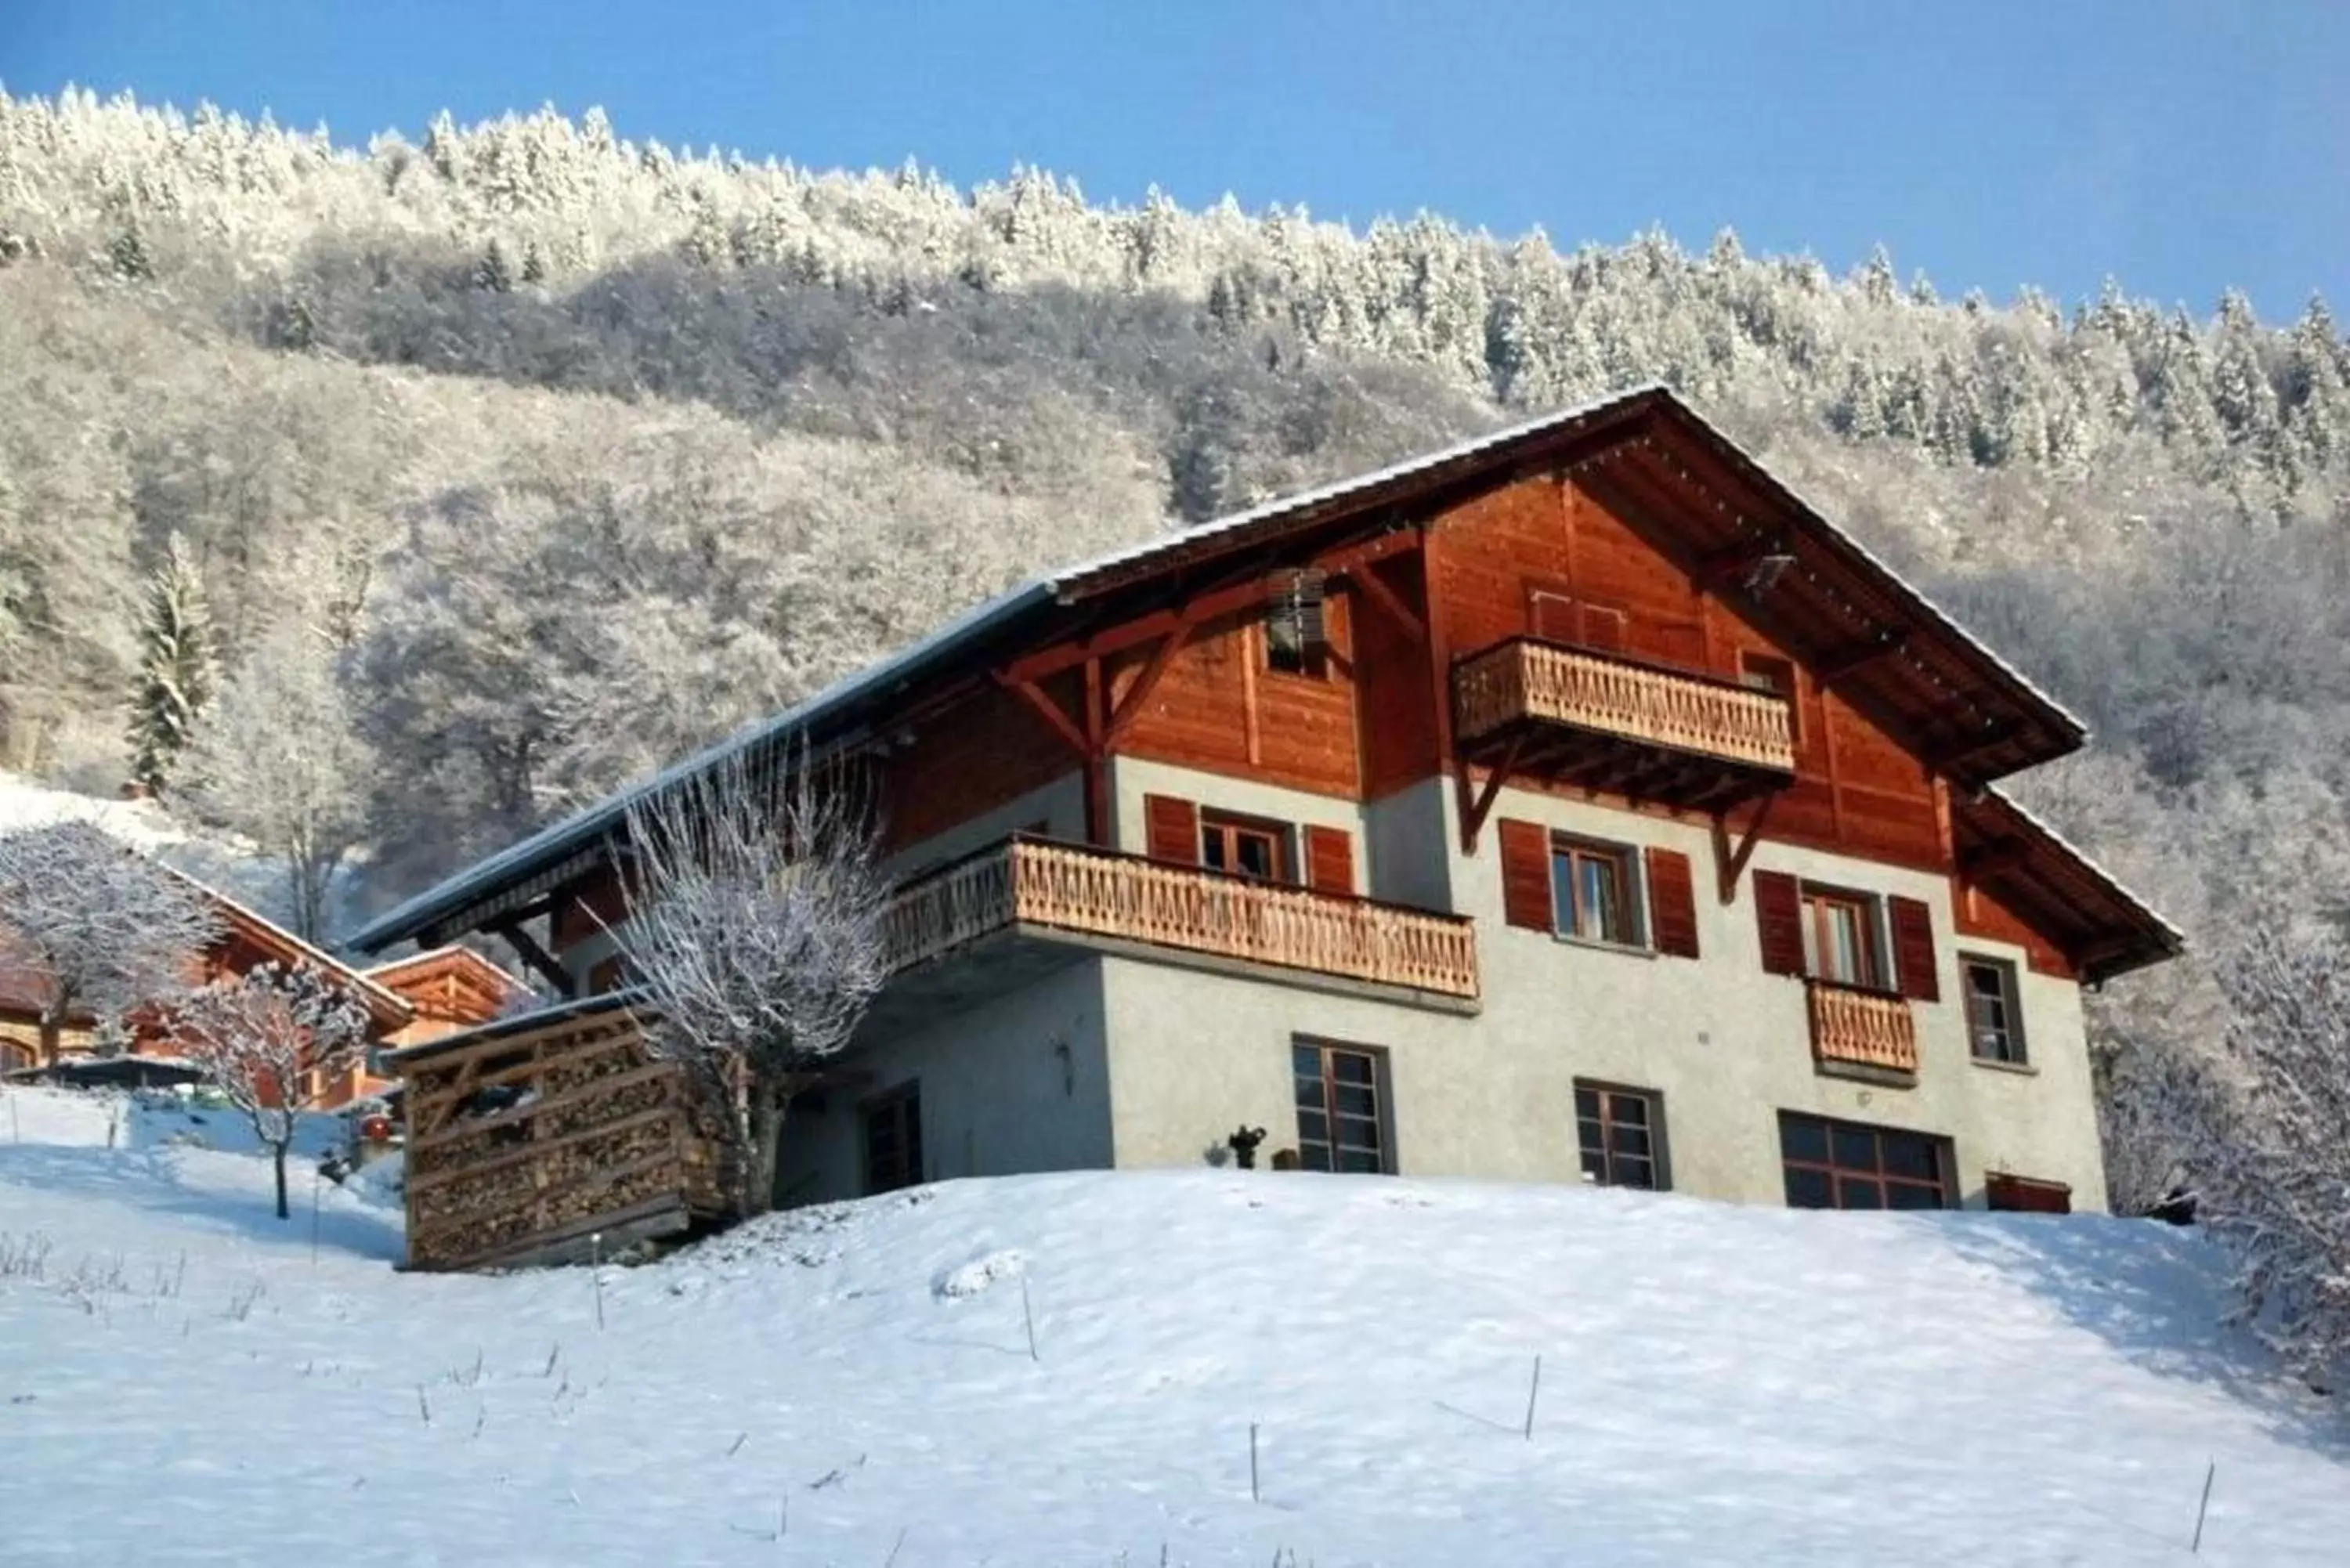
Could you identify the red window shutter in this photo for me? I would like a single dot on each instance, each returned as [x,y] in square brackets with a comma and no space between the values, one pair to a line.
[1913,949]
[1173,829]
[1779,915]
[1525,874]
[1329,859]
[1672,903]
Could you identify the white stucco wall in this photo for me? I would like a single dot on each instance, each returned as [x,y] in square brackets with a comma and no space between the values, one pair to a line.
[1015,1084]
[1727,1046]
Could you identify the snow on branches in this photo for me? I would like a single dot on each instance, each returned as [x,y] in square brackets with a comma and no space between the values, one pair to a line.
[2258,1135]
[756,931]
[272,1040]
[92,929]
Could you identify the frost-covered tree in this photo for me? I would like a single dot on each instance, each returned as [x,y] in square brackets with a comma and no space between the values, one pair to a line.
[756,930]
[273,1040]
[2261,1134]
[277,761]
[176,666]
[94,930]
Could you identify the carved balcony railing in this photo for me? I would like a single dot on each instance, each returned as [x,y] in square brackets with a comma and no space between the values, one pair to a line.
[1049,887]
[1852,1026]
[1614,723]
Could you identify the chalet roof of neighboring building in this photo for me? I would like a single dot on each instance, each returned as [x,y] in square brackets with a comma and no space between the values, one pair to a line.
[1642,452]
[19,987]
[422,980]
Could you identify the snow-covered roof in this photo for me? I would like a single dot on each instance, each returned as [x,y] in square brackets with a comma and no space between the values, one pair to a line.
[591,824]
[2119,889]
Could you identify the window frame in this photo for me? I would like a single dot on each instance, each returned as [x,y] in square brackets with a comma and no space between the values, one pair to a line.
[1631,891]
[1310,655]
[2015,1040]
[1382,1088]
[1838,1174]
[1231,827]
[1659,1158]
[1815,898]
[1772,668]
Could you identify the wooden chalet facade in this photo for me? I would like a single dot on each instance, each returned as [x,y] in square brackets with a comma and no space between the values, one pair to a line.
[247,940]
[1575,803]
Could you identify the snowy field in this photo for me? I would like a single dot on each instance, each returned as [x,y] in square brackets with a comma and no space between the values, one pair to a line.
[182,1381]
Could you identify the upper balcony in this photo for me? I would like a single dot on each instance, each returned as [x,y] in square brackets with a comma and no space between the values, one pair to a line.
[1607,723]
[1034,904]
[1855,1026]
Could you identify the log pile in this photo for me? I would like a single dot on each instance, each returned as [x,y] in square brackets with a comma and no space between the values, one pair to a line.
[530,1136]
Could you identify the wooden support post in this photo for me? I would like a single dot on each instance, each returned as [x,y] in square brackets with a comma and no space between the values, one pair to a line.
[1730,863]
[541,961]
[1473,813]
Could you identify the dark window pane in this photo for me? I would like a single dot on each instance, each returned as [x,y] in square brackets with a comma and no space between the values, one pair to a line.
[1307,1060]
[1851,1194]
[1314,1157]
[1256,855]
[1906,1154]
[1562,890]
[1365,1162]
[1855,1148]
[1808,1189]
[1595,1164]
[1803,1138]
[1631,1140]
[1313,1124]
[1632,1108]
[1310,1094]
[1903,1195]
[1211,848]
[1348,1067]
[1631,1172]
[1586,1102]
[1355,1100]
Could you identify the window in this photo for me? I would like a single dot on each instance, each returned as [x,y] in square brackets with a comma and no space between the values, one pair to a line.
[1622,1133]
[1296,631]
[1341,1108]
[1765,672]
[893,1139]
[1840,938]
[1246,846]
[1850,1165]
[1593,891]
[1994,1021]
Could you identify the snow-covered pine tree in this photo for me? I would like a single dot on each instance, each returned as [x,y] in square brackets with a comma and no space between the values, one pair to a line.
[176,666]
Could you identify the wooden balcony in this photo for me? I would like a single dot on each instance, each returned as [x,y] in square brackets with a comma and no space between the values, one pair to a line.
[1605,723]
[1044,894]
[1855,1027]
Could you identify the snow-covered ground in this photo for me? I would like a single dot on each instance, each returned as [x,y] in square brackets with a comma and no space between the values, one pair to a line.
[182,1380]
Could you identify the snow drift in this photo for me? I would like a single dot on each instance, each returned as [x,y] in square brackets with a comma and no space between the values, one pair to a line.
[183,1381]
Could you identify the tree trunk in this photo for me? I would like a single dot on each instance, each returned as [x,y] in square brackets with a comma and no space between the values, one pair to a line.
[278,1150]
[766,1133]
[52,1038]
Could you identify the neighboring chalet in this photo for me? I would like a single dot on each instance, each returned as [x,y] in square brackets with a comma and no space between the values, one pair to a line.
[247,939]
[447,990]
[1572,803]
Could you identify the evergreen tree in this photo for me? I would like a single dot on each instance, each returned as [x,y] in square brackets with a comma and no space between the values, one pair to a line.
[176,668]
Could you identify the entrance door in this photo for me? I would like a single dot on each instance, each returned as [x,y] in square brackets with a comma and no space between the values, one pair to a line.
[893,1139]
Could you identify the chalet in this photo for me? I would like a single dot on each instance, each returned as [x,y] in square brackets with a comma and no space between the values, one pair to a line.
[1572,803]
[246,940]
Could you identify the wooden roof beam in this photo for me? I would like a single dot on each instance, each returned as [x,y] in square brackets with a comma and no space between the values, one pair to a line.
[1843,662]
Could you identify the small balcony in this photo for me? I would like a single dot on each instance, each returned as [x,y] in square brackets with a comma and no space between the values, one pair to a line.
[1854,1027]
[1605,723]
[1033,904]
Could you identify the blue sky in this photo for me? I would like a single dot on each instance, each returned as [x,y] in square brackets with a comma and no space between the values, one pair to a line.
[2181,146]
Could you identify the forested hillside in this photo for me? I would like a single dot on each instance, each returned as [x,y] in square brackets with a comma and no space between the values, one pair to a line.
[515,459]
